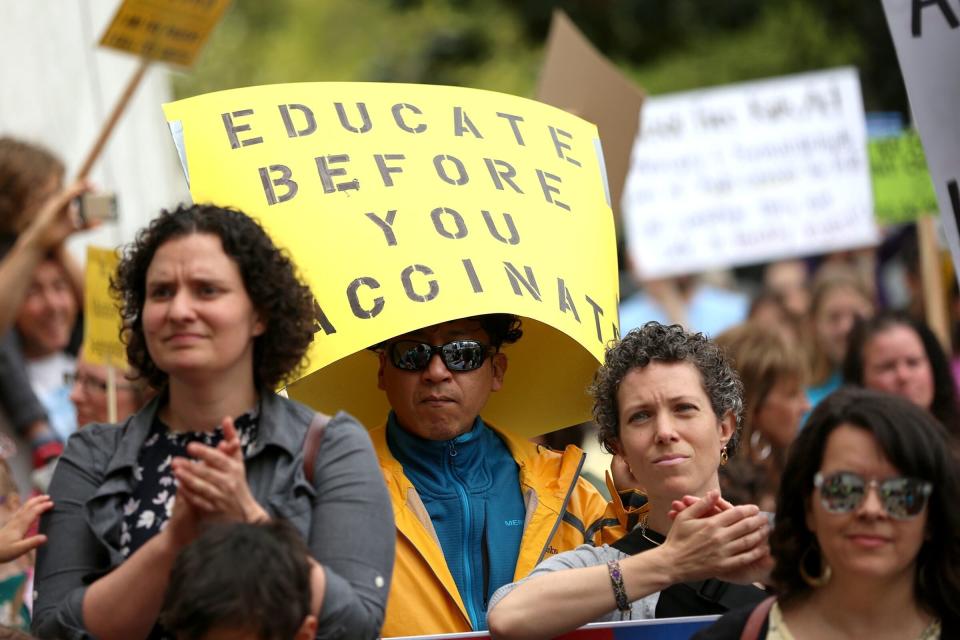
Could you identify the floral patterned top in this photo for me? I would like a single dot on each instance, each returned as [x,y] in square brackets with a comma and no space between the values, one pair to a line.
[146,512]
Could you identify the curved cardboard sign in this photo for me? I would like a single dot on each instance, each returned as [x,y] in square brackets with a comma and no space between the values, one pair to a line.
[407,205]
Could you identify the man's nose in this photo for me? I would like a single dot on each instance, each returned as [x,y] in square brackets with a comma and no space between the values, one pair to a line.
[436,368]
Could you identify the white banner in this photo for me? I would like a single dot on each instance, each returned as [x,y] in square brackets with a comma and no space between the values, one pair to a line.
[749,173]
[926,34]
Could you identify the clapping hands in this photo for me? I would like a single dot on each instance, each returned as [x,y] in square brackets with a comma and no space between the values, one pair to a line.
[752,560]
[214,481]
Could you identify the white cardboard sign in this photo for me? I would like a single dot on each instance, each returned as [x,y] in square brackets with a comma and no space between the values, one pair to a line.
[926,34]
[748,173]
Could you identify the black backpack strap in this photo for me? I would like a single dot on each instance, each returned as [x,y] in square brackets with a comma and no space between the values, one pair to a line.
[636,542]
[311,443]
[706,597]
[699,598]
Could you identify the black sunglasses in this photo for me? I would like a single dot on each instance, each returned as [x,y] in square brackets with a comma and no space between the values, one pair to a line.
[457,355]
[845,491]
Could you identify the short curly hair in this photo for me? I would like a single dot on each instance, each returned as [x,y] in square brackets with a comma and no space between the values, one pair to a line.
[918,446]
[284,303]
[655,342]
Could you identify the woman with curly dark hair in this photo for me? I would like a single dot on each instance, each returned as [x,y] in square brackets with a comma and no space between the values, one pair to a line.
[668,405]
[896,353]
[215,318]
[865,541]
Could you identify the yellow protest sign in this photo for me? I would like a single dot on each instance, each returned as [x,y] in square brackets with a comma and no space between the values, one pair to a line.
[405,206]
[165,30]
[101,318]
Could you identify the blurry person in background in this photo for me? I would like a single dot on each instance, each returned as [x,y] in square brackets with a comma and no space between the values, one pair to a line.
[767,309]
[840,297]
[773,372]
[788,280]
[895,353]
[88,392]
[16,557]
[865,540]
[694,302]
[36,217]
[44,326]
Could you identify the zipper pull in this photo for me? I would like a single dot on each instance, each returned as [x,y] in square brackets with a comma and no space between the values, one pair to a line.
[452,449]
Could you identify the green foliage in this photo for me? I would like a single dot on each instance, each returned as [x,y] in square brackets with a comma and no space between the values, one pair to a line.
[666,45]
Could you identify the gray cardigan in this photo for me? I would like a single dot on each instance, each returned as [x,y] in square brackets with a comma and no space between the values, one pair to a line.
[345,517]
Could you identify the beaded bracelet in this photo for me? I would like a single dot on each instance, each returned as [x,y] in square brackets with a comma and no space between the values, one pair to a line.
[619,591]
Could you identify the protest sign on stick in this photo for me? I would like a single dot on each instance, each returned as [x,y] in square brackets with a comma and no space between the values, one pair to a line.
[902,189]
[926,35]
[101,320]
[406,206]
[579,79]
[171,31]
[934,301]
[749,173]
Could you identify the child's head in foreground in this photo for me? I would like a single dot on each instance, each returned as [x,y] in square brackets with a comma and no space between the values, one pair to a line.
[243,582]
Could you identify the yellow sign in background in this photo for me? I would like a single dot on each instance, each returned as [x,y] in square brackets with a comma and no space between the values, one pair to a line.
[408,205]
[101,318]
[165,30]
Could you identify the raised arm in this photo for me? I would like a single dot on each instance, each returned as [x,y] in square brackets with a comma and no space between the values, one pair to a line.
[49,229]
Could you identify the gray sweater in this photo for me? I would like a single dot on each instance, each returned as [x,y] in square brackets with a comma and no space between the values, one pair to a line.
[345,517]
[586,556]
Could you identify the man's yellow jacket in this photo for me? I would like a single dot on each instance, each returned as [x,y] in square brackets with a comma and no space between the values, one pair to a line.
[563,511]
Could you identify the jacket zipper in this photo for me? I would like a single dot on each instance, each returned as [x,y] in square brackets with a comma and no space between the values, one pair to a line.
[465,542]
[563,508]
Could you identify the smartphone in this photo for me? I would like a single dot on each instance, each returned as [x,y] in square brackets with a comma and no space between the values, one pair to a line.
[98,207]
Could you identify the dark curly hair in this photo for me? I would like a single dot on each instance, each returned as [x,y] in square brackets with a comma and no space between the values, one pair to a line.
[284,303]
[944,406]
[918,446]
[654,342]
[503,328]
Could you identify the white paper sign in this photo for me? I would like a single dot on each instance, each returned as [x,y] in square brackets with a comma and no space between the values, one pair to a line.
[926,35]
[748,173]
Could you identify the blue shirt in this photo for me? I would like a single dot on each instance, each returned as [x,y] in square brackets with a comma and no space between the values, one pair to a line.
[710,310]
[470,486]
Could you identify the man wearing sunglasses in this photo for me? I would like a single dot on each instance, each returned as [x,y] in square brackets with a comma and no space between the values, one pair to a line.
[475,507]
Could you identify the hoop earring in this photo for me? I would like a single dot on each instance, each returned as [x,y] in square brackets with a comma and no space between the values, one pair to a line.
[724,456]
[825,571]
[760,451]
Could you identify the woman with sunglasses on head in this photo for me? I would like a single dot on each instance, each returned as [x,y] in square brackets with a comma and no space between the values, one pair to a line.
[215,318]
[865,541]
[668,405]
